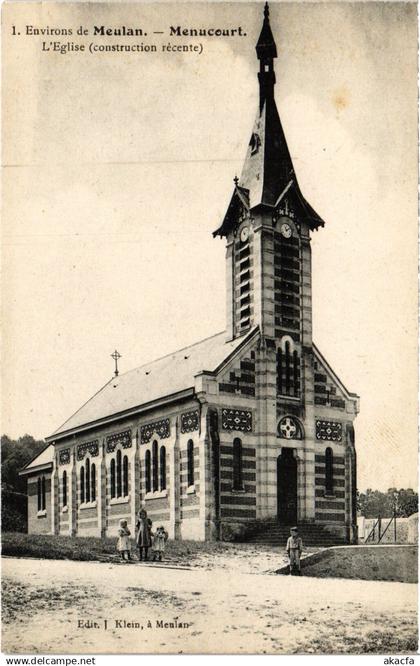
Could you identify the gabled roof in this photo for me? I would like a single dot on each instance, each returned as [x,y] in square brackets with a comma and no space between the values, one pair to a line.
[324,363]
[167,376]
[239,200]
[42,461]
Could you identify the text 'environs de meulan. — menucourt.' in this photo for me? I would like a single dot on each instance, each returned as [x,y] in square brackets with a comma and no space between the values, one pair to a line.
[128,31]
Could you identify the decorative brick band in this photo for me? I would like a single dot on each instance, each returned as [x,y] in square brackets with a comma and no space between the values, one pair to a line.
[64,457]
[161,428]
[123,438]
[88,447]
[329,430]
[336,517]
[227,512]
[189,421]
[236,419]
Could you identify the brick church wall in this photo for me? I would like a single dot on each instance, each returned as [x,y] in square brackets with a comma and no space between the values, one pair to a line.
[329,509]
[39,522]
[237,504]
[189,494]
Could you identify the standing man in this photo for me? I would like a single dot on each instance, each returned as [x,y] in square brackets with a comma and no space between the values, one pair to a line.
[294,549]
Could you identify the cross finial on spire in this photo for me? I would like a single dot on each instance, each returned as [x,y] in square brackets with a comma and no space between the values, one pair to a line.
[266,11]
[116,355]
[236,180]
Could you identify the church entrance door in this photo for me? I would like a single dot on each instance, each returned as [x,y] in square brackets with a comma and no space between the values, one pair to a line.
[287,487]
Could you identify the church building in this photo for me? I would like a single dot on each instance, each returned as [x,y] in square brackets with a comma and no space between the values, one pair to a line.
[250,425]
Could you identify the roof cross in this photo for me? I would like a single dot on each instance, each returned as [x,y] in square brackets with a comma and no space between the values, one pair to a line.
[116,355]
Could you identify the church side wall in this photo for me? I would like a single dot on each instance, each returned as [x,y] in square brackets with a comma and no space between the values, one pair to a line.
[336,510]
[39,522]
[196,494]
[171,439]
[234,409]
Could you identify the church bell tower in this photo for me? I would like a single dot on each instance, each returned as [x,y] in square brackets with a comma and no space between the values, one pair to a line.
[267,229]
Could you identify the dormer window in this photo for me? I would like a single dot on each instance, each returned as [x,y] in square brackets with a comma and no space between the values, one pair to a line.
[255,143]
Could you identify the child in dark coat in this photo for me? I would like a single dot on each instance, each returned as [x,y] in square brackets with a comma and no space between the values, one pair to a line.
[144,534]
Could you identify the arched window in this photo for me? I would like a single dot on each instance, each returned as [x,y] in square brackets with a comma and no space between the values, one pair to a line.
[64,488]
[39,493]
[112,478]
[87,483]
[82,484]
[93,483]
[296,373]
[237,465]
[279,371]
[329,481]
[125,476]
[162,468]
[148,472]
[43,493]
[190,462]
[287,350]
[119,471]
[155,466]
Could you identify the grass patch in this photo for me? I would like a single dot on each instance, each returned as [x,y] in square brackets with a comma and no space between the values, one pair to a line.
[374,642]
[366,563]
[51,547]
[45,546]
[387,642]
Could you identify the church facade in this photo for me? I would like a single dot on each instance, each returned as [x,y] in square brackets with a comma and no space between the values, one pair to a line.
[251,424]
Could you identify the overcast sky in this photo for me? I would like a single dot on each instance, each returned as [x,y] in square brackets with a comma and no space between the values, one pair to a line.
[119,167]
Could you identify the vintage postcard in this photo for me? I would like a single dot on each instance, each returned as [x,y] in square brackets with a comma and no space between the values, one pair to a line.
[209,252]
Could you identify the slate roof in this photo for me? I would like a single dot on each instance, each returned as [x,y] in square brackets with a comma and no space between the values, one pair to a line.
[163,377]
[43,460]
[268,174]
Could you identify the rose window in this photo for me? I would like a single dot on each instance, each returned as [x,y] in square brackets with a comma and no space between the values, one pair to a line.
[289,428]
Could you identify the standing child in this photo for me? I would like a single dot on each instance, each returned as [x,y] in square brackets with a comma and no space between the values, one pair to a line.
[160,538]
[294,549]
[123,543]
[144,533]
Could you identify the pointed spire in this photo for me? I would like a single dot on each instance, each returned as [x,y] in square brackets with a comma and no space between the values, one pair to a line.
[266,46]
[268,174]
[266,52]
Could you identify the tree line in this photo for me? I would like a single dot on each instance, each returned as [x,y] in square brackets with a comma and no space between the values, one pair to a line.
[375,504]
[15,454]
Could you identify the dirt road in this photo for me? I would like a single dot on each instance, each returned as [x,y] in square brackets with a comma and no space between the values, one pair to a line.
[87,607]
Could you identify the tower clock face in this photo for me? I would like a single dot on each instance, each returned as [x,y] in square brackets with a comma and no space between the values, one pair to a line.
[244,234]
[286,230]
